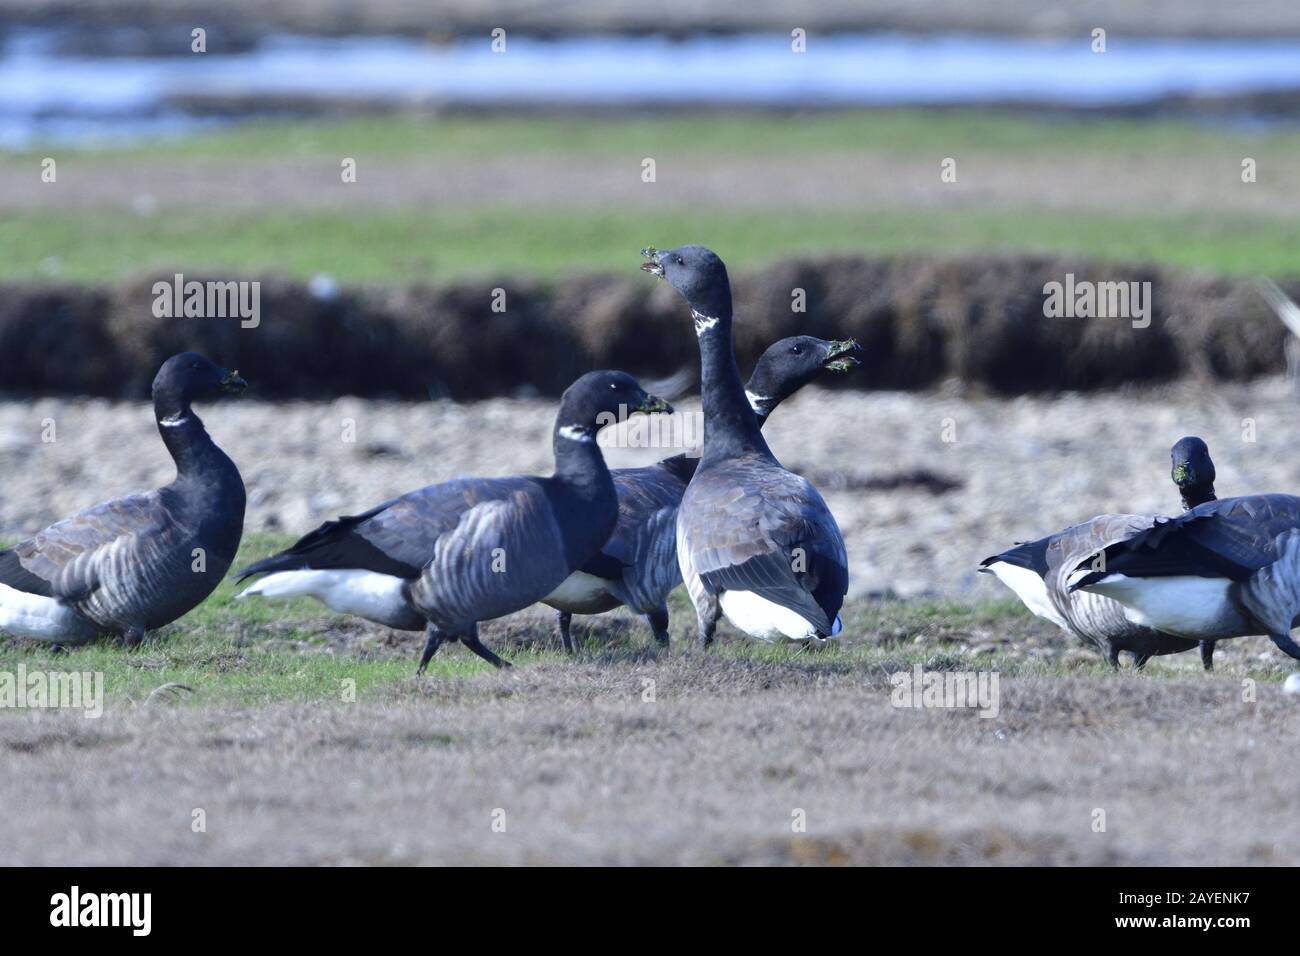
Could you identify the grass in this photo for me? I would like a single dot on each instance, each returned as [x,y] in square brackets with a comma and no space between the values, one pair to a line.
[483,238]
[258,653]
[405,246]
[467,136]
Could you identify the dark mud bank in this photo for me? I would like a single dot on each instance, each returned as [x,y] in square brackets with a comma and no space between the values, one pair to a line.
[920,321]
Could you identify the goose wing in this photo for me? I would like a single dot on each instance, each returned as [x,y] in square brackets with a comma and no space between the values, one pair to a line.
[398,537]
[751,525]
[1229,538]
[503,554]
[71,559]
[648,499]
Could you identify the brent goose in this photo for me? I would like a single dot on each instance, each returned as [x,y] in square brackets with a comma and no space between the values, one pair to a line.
[754,541]
[1038,571]
[134,564]
[1226,568]
[448,556]
[638,565]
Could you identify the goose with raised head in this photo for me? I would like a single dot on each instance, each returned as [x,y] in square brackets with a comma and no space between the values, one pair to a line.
[755,541]
[1038,571]
[449,556]
[134,564]
[638,566]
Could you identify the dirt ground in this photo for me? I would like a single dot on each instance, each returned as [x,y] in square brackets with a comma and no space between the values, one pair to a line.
[1161,183]
[924,485]
[566,763]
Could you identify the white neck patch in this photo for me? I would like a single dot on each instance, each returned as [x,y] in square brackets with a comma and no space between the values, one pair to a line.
[757,402]
[576,433]
[703,322]
[175,421]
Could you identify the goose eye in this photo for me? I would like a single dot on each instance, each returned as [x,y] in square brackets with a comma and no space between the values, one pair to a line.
[795,349]
[680,261]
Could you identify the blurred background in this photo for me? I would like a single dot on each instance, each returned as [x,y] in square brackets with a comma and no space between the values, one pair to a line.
[920,170]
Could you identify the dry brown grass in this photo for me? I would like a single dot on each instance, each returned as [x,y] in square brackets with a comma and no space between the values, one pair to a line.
[711,772]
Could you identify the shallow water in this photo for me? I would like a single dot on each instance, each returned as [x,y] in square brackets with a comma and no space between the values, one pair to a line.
[48,95]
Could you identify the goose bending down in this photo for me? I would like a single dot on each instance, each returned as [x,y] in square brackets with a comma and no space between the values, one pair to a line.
[134,564]
[754,541]
[448,556]
[638,565]
[1038,571]
[1227,568]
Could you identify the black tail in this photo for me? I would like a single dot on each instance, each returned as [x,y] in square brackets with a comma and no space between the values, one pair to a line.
[284,561]
[334,545]
[1031,555]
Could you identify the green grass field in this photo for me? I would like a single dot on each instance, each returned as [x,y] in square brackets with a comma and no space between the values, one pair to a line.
[399,246]
[733,133]
[480,237]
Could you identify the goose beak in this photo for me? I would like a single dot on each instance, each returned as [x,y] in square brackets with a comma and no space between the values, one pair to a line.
[653,267]
[838,357]
[652,404]
[232,384]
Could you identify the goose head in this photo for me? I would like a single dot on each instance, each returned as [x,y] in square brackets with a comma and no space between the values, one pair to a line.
[603,398]
[791,363]
[190,377]
[695,272]
[1192,470]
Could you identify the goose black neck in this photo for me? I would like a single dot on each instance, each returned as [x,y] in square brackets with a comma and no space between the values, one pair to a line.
[186,439]
[1194,495]
[730,425]
[578,461]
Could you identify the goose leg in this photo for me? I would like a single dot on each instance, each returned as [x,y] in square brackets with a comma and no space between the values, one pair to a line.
[133,636]
[1207,655]
[1112,657]
[708,613]
[471,641]
[658,621]
[433,639]
[566,637]
[1140,660]
[1286,645]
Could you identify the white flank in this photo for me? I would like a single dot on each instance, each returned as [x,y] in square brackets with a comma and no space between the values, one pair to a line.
[1186,606]
[1030,588]
[579,589]
[368,594]
[758,617]
[41,618]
